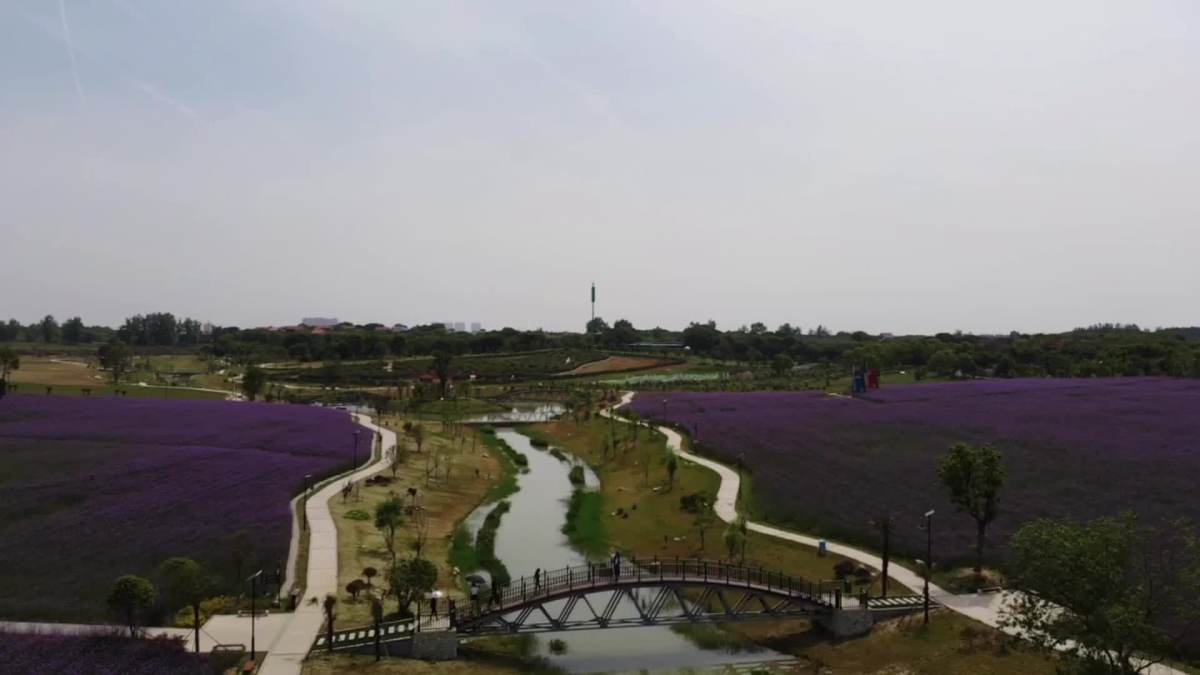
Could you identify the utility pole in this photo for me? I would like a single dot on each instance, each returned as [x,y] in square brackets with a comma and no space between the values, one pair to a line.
[928,558]
[593,300]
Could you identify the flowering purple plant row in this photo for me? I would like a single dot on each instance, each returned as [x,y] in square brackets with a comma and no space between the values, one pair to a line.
[97,655]
[93,488]
[1074,449]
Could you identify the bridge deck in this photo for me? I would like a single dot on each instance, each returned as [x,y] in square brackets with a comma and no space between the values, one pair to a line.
[762,594]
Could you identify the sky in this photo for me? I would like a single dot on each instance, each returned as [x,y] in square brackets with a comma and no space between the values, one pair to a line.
[882,166]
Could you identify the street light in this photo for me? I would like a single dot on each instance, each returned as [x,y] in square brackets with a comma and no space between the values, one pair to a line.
[304,505]
[928,558]
[355,453]
[253,579]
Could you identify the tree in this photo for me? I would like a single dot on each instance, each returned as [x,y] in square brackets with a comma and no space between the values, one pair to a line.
[441,366]
[253,381]
[116,357]
[701,338]
[48,328]
[389,516]
[73,330]
[974,476]
[884,524]
[704,520]
[241,551]
[369,573]
[9,361]
[782,363]
[1117,596]
[412,578]
[129,595]
[672,466]
[596,326]
[355,587]
[417,433]
[186,583]
[735,539]
[329,605]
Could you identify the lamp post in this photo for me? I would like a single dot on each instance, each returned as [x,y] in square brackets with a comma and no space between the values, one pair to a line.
[304,504]
[253,598]
[928,558]
[355,451]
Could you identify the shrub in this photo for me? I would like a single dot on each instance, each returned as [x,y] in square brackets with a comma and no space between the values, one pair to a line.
[576,475]
[843,569]
[358,514]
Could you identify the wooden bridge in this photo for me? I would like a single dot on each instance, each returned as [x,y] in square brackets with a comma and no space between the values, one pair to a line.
[659,592]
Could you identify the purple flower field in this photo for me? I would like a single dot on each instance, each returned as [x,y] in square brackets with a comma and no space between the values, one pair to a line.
[1074,448]
[93,488]
[96,655]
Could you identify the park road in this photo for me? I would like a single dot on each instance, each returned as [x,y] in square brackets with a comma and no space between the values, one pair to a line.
[286,654]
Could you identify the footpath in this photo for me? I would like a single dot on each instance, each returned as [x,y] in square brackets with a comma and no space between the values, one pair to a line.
[298,632]
[985,608]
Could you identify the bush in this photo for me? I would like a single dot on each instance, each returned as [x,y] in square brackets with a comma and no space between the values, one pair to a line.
[358,514]
[694,503]
[576,475]
[558,646]
[843,569]
[538,443]
[222,604]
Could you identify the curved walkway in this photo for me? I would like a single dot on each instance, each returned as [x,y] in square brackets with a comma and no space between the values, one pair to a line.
[285,655]
[983,608]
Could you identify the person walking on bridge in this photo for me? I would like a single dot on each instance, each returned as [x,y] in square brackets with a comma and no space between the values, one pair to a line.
[537,580]
[616,565]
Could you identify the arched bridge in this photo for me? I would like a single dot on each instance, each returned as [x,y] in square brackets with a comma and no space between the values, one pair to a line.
[651,591]
[638,593]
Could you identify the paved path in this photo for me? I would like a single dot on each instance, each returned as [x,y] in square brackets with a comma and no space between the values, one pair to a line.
[298,633]
[983,608]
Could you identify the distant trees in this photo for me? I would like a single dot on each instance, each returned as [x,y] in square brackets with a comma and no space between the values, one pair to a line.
[441,366]
[116,357]
[782,363]
[974,475]
[73,331]
[48,328]
[187,583]
[1116,595]
[254,380]
[130,595]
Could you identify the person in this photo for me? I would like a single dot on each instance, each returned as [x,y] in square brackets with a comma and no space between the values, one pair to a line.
[475,595]
[537,579]
[453,613]
[433,605]
[494,598]
[616,565]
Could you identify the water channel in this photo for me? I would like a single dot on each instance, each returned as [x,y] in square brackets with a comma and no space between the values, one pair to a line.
[530,537]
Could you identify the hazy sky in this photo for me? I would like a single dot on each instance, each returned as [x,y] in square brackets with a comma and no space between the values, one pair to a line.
[897,166]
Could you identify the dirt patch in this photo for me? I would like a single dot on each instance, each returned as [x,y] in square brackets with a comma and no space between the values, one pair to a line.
[614,364]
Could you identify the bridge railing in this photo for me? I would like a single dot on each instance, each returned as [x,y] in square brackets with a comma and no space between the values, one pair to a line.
[632,572]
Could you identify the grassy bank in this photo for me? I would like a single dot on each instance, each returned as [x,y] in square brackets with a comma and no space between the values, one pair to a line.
[585,527]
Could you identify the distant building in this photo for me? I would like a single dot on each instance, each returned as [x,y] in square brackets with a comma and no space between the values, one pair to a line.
[476,327]
[460,327]
[400,328]
[315,321]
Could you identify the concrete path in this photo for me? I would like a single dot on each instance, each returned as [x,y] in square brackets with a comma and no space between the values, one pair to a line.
[298,633]
[983,608]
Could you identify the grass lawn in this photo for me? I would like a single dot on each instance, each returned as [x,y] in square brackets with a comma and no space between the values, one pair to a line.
[39,370]
[99,389]
[651,521]
[446,502]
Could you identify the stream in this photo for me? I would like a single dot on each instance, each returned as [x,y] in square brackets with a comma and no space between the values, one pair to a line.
[530,537]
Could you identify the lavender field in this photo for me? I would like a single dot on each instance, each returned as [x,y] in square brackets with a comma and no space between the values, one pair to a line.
[93,488]
[1074,448]
[97,655]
